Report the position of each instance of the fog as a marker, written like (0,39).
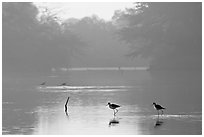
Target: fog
(151,52)
(32,45)
(161,35)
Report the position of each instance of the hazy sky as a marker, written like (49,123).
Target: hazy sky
(79,10)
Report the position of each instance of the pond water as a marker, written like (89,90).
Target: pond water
(28,108)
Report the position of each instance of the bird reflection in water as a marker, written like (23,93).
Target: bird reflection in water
(158,123)
(113,122)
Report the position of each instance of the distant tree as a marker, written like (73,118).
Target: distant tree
(102,47)
(169,34)
(31,45)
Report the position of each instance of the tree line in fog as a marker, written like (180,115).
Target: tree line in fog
(167,35)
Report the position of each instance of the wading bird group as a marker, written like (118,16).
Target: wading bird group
(115,106)
(111,105)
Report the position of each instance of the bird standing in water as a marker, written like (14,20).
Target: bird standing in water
(63,84)
(42,84)
(113,106)
(158,107)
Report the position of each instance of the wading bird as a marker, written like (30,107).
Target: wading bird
(158,107)
(63,84)
(43,83)
(113,106)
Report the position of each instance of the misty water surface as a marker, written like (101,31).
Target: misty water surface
(29,108)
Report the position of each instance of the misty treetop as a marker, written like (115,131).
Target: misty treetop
(166,35)
(33,45)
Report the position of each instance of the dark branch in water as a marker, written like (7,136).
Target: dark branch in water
(66,106)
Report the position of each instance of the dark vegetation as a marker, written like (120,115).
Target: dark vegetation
(168,35)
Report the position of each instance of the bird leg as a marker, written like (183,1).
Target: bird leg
(158,112)
(162,112)
(116,111)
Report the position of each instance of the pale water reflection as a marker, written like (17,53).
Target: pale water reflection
(30,109)
(85,120)
(98,120)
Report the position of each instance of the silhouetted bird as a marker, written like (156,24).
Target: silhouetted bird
(158,107)
(113,106)
(43,83)
(63,84)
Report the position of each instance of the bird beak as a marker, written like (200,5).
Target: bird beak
(106,104)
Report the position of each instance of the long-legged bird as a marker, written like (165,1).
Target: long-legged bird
(114,107)
(158,107)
